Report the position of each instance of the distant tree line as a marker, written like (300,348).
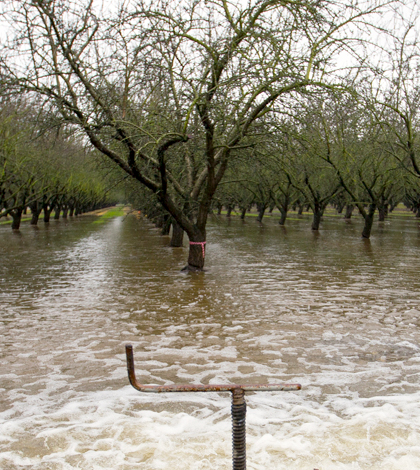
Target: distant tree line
(336,149)
(44,170)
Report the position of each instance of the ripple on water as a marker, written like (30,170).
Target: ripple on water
(335,314)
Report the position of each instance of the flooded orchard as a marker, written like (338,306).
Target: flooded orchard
(331,311)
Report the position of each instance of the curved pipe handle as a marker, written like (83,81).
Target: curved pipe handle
(198,387)
(130,366)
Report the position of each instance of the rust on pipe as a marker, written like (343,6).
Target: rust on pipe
(199,387)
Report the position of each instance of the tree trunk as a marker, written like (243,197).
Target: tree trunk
(261,209)
(283,215)
(340,207)
(16,216)
(196,253)
(177,235)
(47,213)
(349,211)
(228,210)
(300,211)
(317,217)
(382,212)
(36,209)
(243,212)
(57,212)
(71,210)
(65,211)
(369,221)
(35,217)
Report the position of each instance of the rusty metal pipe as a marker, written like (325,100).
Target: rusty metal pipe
(238,409)
(199,387)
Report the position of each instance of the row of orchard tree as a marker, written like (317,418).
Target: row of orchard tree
(193,99)
(42,169)
(340,150)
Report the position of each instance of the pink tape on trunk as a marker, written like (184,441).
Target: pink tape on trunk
(202,247)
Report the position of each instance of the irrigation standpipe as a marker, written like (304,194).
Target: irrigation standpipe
(238,409)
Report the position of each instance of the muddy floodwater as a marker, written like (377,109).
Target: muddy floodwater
(337,314)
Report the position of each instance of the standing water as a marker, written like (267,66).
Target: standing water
(333,312)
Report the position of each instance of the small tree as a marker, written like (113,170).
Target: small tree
(358,153)
(392,93)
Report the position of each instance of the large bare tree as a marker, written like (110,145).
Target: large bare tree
(170,91)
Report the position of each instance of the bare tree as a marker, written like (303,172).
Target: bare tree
(355,146)
(169,91)
(392,92)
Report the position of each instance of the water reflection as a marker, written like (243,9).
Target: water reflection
(337,313)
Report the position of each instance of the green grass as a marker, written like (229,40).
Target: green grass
(110,214)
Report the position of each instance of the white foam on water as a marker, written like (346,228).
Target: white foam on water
(121,428)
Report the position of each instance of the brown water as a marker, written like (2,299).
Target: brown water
(333,312)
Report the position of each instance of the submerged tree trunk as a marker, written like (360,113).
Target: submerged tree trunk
(349,211)
(283,215)
(65,211)
(340,207)
(382,212)
(243,212)
(283,205)
(317,217)
(368,221)
(16,216)
(36,209)
(228,210)
(35,217)
(197,252)
(283,208)
(47,213)
(261,210)
(177,235)
(57,212)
